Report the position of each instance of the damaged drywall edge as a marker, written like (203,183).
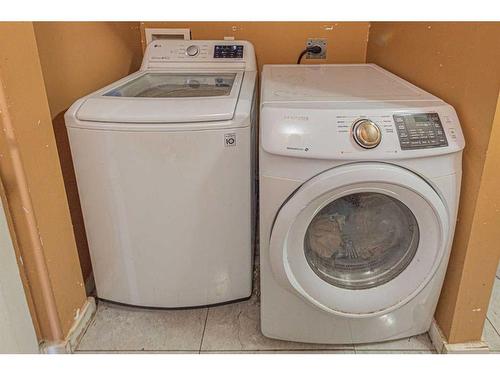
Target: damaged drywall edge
(81,323)
(83,318)
(443,347)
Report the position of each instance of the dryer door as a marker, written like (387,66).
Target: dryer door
(360,239)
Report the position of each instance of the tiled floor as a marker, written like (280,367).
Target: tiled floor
(491,333)
(231,328)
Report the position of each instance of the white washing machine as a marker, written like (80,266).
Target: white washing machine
(164,166)
(359,184)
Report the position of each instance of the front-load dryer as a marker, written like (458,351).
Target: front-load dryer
(359,184)
(164,164)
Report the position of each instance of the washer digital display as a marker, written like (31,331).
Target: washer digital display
(233,51)
(420,130)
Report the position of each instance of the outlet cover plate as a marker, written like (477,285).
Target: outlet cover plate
(166,33)
(322,42)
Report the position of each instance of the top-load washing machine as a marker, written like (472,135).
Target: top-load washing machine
(359,184)
(164,166)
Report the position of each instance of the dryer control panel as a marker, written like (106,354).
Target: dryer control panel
(420,130)
(370,133)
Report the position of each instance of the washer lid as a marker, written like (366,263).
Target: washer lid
(165,97)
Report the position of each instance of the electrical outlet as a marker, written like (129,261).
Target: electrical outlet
(322,42)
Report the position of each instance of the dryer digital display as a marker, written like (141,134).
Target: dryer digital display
(420,130)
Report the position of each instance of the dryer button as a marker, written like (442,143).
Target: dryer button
(366,133)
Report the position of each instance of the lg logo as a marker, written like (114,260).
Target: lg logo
(230,139)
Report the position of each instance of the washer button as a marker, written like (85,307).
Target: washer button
(192,50)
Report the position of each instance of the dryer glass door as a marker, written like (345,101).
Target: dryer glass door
(360,239)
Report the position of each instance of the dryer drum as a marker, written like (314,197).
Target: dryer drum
(361,240)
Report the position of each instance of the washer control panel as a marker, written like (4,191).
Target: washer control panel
(228,51)
(166,53)
(420,130)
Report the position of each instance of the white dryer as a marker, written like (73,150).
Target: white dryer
(359,184)
(164,166)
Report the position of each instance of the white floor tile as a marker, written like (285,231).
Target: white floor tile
(236,327)
(415,343)
(280,352)
(491,336)
(137,352)
(395,352)
(119,328)
(494,308)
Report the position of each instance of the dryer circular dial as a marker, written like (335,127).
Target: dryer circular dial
(366,133)
(192,50)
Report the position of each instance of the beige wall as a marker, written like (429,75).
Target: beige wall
(78,58)
(458,62)
(282,42)
(26,109)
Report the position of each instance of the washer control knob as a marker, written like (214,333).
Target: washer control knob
(192,50)
(366,133)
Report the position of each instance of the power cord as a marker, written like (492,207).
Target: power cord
(312,49)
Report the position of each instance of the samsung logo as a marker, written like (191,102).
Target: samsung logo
(296,118)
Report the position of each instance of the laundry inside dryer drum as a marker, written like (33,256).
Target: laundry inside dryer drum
(361,240)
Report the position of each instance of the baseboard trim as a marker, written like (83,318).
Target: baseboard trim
(82,321)
(443,347)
